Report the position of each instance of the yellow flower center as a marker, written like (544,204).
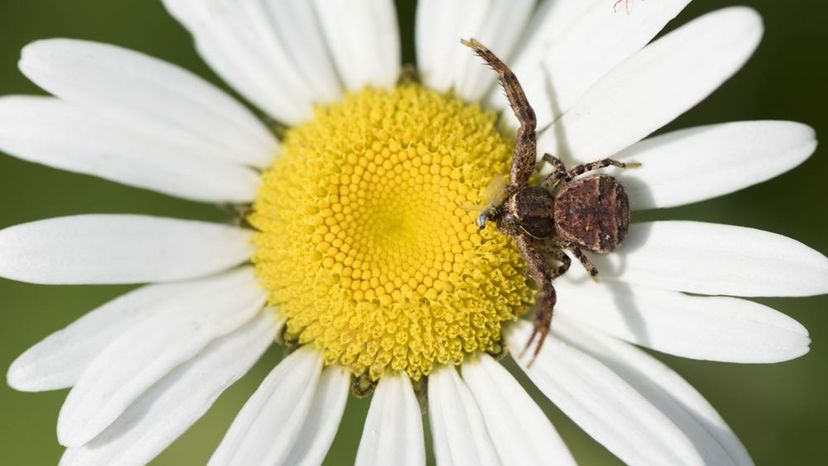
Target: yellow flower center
(366,242)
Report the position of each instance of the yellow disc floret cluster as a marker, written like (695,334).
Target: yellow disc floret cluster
(366,242)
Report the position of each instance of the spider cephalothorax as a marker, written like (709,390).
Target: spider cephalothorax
(562,212)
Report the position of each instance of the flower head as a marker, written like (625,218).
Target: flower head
(359,247)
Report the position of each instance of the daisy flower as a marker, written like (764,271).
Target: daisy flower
(355,248)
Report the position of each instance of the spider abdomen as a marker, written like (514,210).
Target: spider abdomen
(592,213)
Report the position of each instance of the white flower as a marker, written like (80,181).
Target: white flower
(147,365)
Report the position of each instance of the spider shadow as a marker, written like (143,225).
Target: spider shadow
(623,296)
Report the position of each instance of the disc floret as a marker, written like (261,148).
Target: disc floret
(365,240)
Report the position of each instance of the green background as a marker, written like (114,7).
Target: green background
(779,411)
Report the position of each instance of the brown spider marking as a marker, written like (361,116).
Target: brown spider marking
(562,212)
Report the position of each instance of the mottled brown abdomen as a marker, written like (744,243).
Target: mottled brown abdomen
(593,213)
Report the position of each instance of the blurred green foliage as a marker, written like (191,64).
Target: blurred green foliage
(779,411)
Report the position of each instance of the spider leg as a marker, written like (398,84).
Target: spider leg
(565,261)
(554,249)
(593,272)
(559,172)
(523,160)
(546,297)
(597,165)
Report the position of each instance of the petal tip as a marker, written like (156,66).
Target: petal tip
(16,375)
(33,51)
(747,14)
(70,433)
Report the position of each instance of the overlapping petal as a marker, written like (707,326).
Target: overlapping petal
(673,395)
(239,41)
(65,136)
(444,63)
(174,403)
(654,86)
(522,434)
(364,40)
(150,350)
(596,39)
(393,432)
(603,404)
(322,422)
(149,96)
(59,360)
(457,428)
(268,425)
(668,392)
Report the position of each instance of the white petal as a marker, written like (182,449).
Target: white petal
(709,258)
(59,360)
(521,432)
(65,136)
(270,422)
(656,85)
(393,432)
(603,404)
(177,401)
(150,350)
(147,94)
(599,39)
(457,428)
(107,249)
(297,25)
(245,43)
(711,328)
(322,422)
(671,394)
(701,163)
(446,64)
(364,40)
(551,23)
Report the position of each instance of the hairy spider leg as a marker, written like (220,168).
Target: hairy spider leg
(546,297)
(523,160)
(555,249)
(583,259)
(597,165)
(559,172)
(523,165)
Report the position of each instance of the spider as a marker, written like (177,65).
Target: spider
(562,212)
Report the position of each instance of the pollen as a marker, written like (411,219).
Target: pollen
(366,242)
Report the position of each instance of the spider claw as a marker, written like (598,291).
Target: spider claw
(528,343)
(541,332)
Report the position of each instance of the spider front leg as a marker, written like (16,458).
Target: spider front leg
(597,165)
(523,160)
(546,298)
